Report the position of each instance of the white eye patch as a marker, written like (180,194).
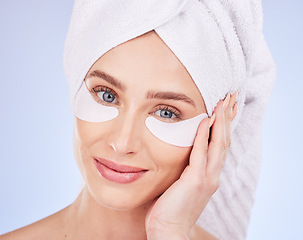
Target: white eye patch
(87,109)
(180,133)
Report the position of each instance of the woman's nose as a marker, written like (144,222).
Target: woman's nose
(126,135)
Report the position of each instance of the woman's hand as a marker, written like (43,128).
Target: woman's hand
(174,214)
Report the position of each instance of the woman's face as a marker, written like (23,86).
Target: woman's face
(141,67)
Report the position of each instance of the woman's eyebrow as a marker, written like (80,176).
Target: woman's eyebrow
(150,95)
(108,78)
(170,96)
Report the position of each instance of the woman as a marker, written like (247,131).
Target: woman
(114,205)
(142,181)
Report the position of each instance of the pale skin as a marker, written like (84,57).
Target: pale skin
(167,201)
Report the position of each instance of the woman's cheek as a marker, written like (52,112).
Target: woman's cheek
(85,135)
(172,160)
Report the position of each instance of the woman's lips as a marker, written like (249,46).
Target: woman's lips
(118,173)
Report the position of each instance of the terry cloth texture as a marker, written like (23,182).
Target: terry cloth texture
(221,44)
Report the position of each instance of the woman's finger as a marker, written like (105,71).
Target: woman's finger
(233,99)
(198,156)
(217,142)
(228,113)
(235,110)
(233,104)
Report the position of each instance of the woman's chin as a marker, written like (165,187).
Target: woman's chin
(122,201)
(124,205)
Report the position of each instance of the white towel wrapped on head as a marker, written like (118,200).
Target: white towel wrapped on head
(221,44)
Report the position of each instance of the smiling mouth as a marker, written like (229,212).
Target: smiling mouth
(118,173)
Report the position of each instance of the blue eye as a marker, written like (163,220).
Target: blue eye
(168,113)
(106,96)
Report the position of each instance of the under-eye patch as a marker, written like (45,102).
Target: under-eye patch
(180,133)
(87,109)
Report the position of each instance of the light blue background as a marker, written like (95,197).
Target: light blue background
(38,175)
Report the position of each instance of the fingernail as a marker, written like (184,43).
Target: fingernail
(232,99)
(212,119)
(226,101)
(236,109)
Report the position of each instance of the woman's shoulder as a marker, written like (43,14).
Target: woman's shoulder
(51,227)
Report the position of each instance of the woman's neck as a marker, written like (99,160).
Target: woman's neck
(90,220)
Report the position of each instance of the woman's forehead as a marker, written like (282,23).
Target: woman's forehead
(145,60)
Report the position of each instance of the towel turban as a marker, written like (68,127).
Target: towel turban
(221,44)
